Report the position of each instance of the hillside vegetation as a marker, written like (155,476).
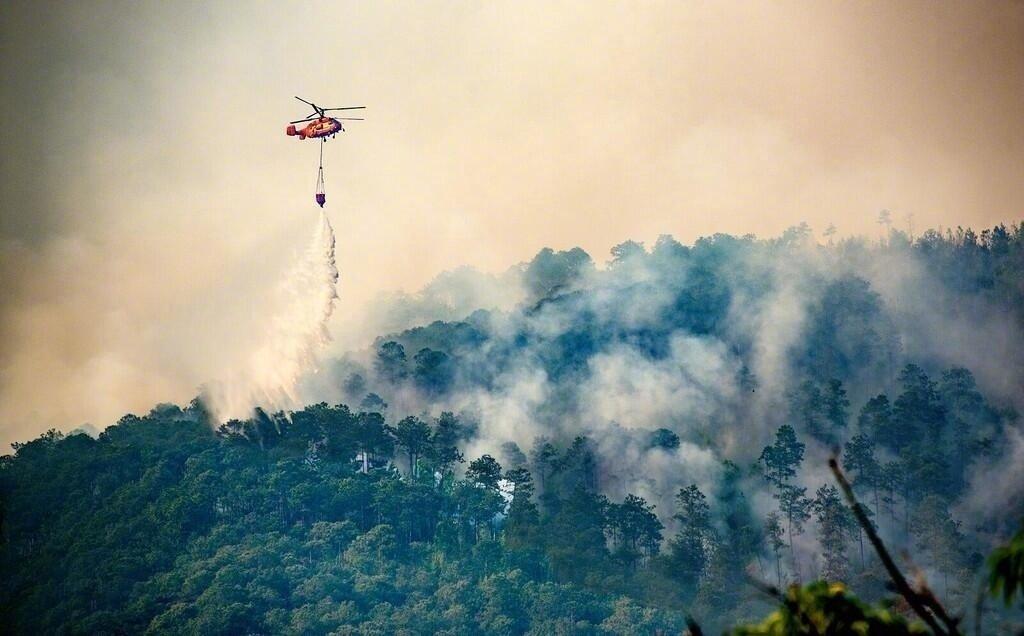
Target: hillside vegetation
(624,448)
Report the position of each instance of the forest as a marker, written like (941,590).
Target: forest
(640,447)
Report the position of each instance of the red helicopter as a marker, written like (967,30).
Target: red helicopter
(320,127)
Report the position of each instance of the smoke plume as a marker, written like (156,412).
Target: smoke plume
(709,343)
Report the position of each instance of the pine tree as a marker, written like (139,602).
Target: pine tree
(796,507)
(444,443)
(692,542)
(937,534)
(390,363)
(859,460)
(636,529)
(918,412)
(836,408)
(413,436)
(781,460)
(485,471)
(523,517)
(835,523)
(773,534)
(807,406)
(876,421)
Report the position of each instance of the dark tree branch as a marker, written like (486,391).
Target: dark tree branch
(902,586)
(927,595)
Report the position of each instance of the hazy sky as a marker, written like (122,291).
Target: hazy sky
(149,192)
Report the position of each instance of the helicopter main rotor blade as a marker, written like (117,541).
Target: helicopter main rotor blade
(299,121)
(345,108)
(304,101)
(350,118)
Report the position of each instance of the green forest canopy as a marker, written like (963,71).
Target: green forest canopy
(347,519)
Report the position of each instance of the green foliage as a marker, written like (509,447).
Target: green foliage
(391,362)
(635,530)
(781,460)
(334,520)
(434,371)
(485,471)
(551,272)
(523,515)
(269,526)
(695,539)
(836,526)
(412,436)
(828,608)
(1006,567)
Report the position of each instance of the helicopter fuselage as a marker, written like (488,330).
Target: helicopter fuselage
(316,129)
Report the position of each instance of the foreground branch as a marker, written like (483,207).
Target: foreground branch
(902,586)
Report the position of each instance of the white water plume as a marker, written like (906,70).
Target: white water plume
(291,335)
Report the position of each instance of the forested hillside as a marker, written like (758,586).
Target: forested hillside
(615,449)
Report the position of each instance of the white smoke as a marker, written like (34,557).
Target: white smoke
(692,385)
(291,334)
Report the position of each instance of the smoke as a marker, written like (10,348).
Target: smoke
(293,331)
(946,328)
(692,385)
(997,486)
(452,295)
(688,118)
(708,342)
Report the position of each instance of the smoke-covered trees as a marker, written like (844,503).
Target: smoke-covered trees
(543,456)
(550,272)
(433,372)
(835,406)
(821,410)
(851,337)
(694,542)
(479,498)
(412,436)
(775,537)
(781,460)
(970,421)
(390,363)
(485,471)
(523,515)
(635,530)
(876,420)
(444,443)
(807,407)
(780,463)
(918,409)
(370,519)
(859,459)
(269,525)
(938,536)
(835,526)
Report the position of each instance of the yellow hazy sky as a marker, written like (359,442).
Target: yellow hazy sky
(149,191)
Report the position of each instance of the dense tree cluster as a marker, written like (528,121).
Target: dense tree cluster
(306,524)
(276,525)
(361,519)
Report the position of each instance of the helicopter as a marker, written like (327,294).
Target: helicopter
(321,126)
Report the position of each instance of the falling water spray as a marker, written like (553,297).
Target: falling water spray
(293,331)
